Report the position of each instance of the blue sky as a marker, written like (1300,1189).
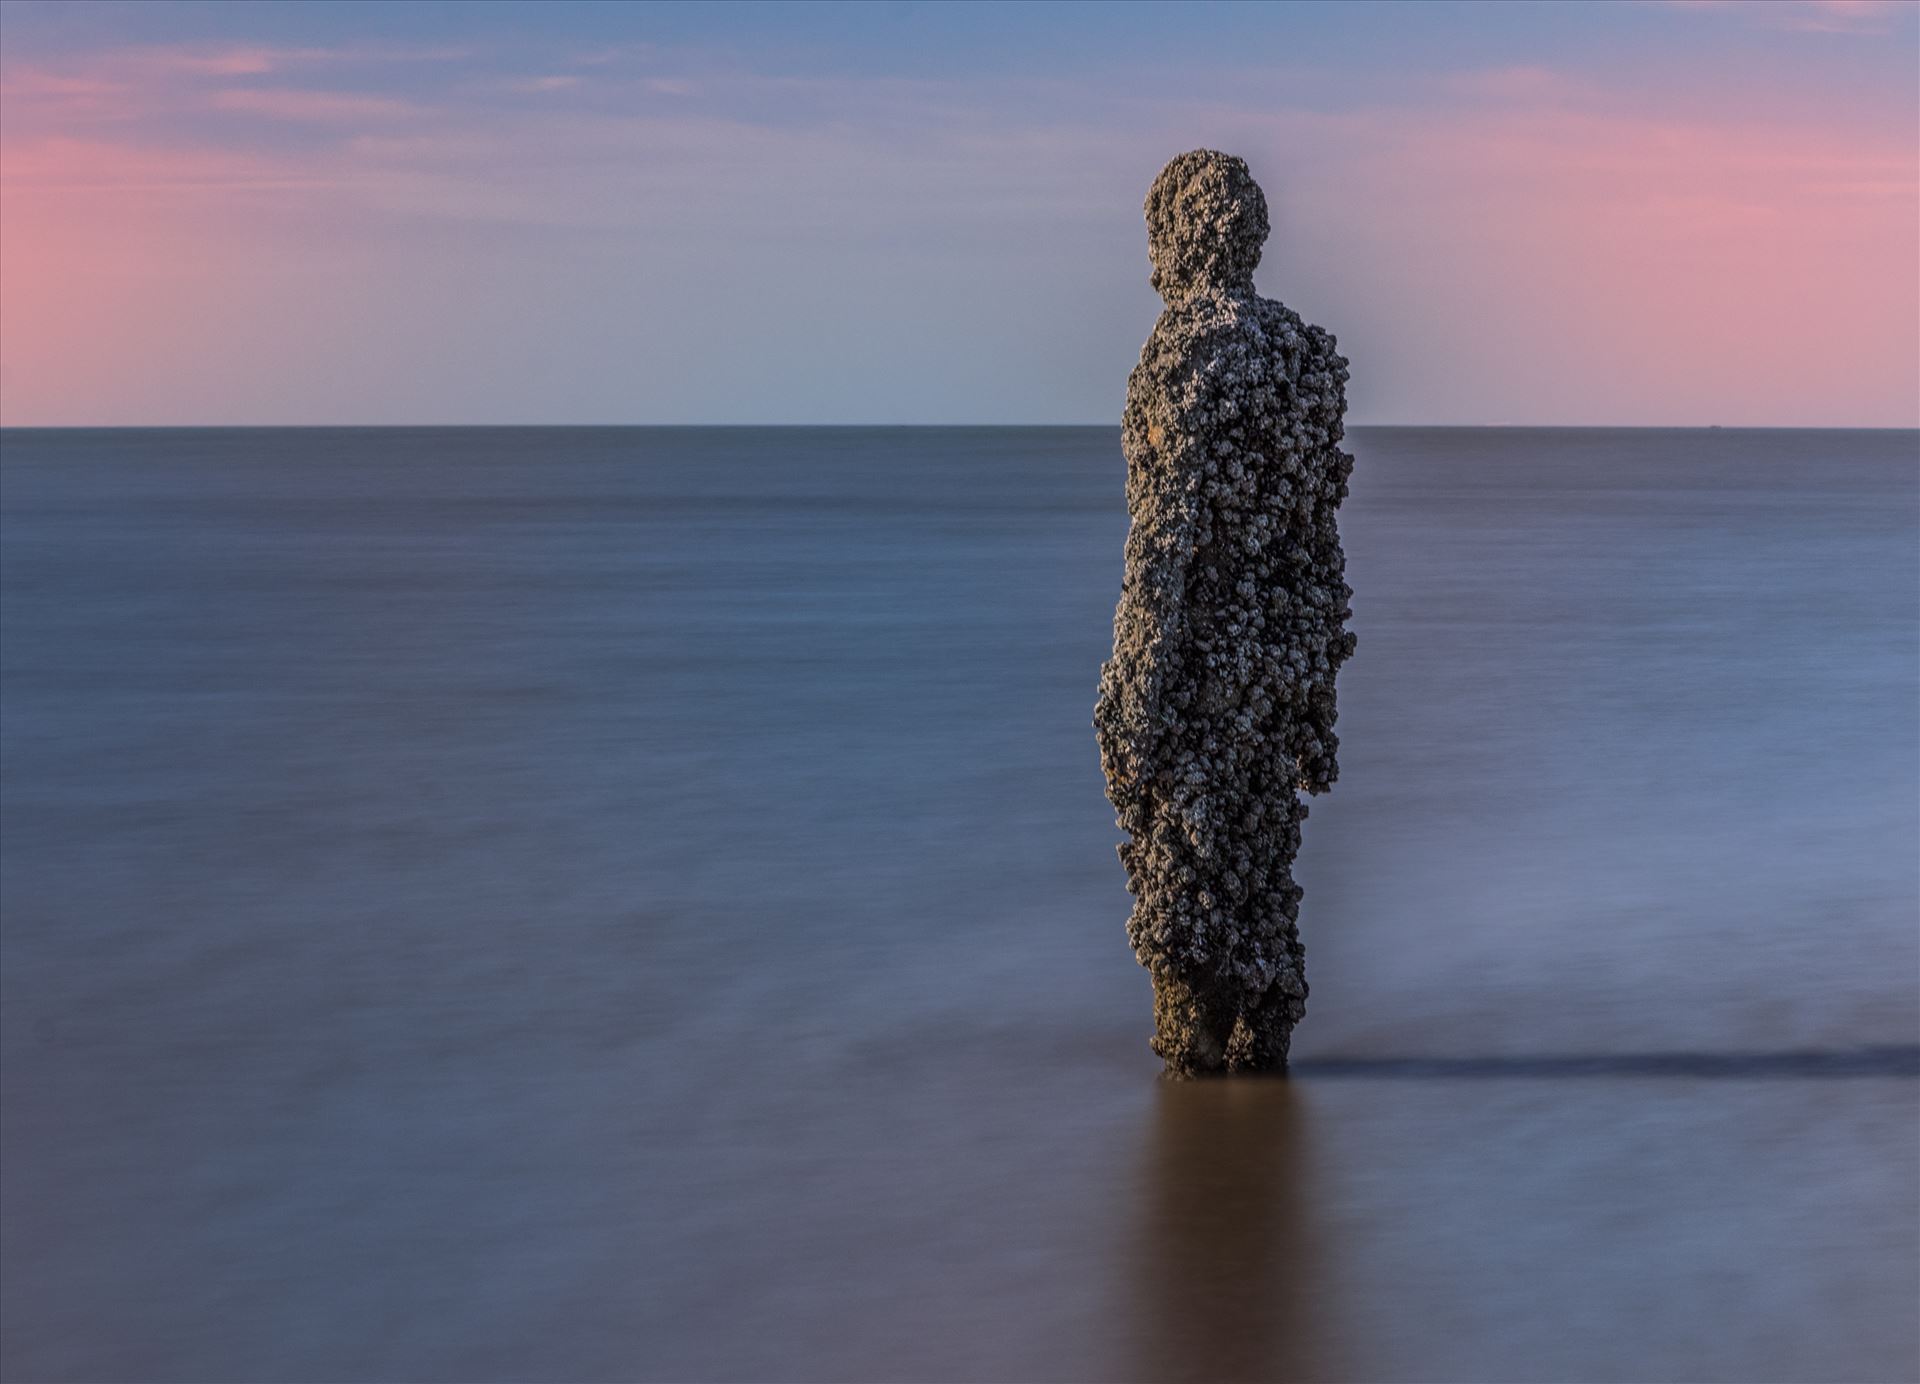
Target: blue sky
(1618,213)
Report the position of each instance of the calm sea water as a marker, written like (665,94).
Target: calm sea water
(639,904)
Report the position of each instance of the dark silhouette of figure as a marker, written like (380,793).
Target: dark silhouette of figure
(1217,707)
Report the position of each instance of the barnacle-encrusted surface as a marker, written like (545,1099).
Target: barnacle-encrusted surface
(1217,706)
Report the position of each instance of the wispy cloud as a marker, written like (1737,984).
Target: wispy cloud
(252,60)
(57,165)
(248,59)
(157,88)
(210,62)
(534,86)
(1806,16)
(615,54)
(316,107)
(32,81)
(1520,85)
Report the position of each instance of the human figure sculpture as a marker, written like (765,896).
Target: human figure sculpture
(1217,707)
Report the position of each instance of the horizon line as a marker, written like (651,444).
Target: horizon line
(1430,427)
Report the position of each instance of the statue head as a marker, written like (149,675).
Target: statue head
(1206,222)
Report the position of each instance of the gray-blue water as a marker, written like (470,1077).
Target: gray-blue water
(639,904)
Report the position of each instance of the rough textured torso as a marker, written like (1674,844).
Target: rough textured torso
(1218,702)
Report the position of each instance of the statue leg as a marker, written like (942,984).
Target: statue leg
(1209,1024)
(1211,1015)
(1263,1031)
(1193,1021)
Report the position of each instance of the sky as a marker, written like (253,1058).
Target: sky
(1599,214)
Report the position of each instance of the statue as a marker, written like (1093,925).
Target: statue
(1217,707)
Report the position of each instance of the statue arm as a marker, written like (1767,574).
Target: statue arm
(1323,399)
(1164,424)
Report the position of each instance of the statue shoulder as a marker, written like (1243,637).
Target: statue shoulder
(1200,335)
(1313,348)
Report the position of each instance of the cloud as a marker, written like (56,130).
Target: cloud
(166,88)
(614,54)
(1807,16)
(1839,17)
(162,72)
(533,86)
(254,60)
(92,166)
(1520,85)
(317,107)
(29,81)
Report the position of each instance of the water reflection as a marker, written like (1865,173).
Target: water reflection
(1224,1277)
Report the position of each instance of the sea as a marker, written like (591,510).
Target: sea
(590,904)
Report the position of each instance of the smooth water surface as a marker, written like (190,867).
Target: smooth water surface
(639,904)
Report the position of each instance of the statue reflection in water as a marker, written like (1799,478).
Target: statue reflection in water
(1224,1279)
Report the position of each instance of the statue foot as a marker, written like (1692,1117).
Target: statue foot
(1202,1026)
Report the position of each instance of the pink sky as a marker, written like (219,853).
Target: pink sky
(237,231)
